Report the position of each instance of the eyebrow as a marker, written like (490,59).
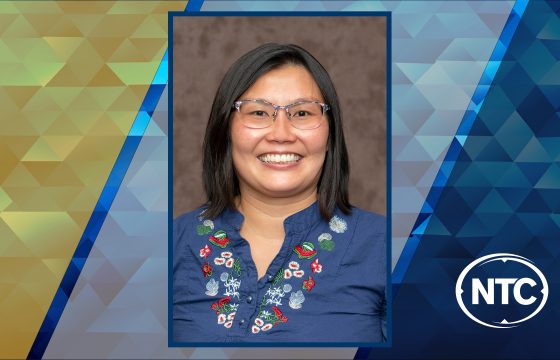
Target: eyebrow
(292,102)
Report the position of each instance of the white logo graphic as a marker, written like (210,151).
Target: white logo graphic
(489,296)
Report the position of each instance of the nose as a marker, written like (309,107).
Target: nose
(281,130)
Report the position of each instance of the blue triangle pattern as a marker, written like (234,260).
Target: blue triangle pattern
(502,195)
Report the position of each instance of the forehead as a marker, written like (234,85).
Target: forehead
(286,83)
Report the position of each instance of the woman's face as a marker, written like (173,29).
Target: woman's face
(257,153)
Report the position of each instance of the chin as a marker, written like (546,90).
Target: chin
(284,191)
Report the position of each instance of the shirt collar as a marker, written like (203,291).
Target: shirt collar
(300,221)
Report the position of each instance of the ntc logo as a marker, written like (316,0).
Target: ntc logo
(501,290)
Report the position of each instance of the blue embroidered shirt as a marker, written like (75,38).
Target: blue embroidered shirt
(327,282)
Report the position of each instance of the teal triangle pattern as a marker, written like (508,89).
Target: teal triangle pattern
(502,195)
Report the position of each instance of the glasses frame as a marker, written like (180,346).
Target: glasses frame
(325,107)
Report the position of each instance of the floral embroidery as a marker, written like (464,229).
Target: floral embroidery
(296,299)
(219,239)
(237,267)
(293,270)
(231,284)
(279,291)
(205,251)
(227,260)
(338,225)
(212,287)
(223,307)
(226,320)
(309,283)
(206,227)
(287,274)
(326,242)
(316,267)
(279,317)
(207,269)
(267,320)
(274,296)
(260,325)
(305,250)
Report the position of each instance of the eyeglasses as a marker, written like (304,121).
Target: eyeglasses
(260,114)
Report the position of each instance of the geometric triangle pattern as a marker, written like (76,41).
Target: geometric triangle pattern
(72,78)
(499,192)
(118,307)
(440,50)
(65,111)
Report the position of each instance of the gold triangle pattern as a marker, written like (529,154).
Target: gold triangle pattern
(72,78)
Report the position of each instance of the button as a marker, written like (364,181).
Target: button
(249,299)
(241,322)
(270,277)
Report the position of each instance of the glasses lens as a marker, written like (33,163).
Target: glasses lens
(306,115)
(256,114)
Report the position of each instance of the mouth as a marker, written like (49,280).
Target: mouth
(288,158)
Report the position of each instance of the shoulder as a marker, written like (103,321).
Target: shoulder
(359,220)
(369,221)
(185,226)
(187,221)
(368,240)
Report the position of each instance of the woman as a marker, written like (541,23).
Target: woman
(277,253)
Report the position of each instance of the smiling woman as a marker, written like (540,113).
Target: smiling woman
(277,253)
(280,159)
(278,163)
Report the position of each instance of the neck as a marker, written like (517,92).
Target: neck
(268,215)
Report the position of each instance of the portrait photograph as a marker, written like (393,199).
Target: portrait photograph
(235,179)
(280,196)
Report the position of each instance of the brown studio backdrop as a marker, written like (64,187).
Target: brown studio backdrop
(353,51)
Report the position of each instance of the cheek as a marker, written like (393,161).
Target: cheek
(242,142)
(318,142)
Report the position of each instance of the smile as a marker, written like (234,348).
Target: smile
(279,158)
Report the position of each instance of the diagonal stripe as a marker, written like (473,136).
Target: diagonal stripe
(470,115)
(194,5)
(100,211)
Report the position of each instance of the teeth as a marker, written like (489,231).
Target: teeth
(279,158)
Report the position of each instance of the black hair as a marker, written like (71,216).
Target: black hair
(220,181)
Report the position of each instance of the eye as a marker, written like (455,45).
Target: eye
(255,110)
(301,113)
(305,110)
(259,113)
